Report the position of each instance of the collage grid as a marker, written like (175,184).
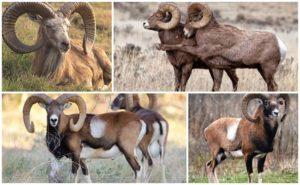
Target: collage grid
(124,68)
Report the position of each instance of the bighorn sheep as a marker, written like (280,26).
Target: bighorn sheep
(93,136)
(166,21)
(240,48)
(57,57)
(247,137)
(155,140)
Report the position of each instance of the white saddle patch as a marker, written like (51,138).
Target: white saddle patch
(232,129)
(282,49)
(97,127)
(91,153)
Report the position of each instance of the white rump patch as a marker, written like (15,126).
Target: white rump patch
(232,129)
(91,153)
(97,127)
(143,131)
(282,49)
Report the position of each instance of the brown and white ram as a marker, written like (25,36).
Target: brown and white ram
(155,140)
(240,48)
(93,136)
(248,137)
(166,21)
(57,57)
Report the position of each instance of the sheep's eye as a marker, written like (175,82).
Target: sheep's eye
(281,102)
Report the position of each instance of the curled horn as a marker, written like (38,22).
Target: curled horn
(152,101)
(81,106)
(128,101)
(245,104)
(174,11)
(197,8)
(286,98)
(10,17)
(38,98)
(86,12)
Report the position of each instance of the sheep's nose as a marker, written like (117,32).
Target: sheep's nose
(145,24)
(276,112)
(65,45)
(53,120)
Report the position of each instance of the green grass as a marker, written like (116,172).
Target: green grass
(234,171)
(16,70)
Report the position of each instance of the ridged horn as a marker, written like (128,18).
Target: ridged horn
(174,11)
(86,12)
(10,17)
(207,14)
(245,103)
(152,101)
(286,98)
(81,106)
(38,98)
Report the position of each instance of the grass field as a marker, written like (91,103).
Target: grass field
(239,174)
(25,156)
(16,68)
(139,66)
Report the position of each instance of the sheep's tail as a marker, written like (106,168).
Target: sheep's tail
(282,49)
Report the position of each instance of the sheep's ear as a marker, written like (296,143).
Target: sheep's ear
(42,105)
(35,18)
(67,105)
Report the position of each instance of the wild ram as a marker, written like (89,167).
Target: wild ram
(155,140)
(240,48)
(249,137)
(93,136)
(166,21)
(57,57)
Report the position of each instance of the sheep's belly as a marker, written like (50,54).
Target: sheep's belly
(154,149)
(90,153)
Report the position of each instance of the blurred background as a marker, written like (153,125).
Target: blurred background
(16,68)
(151,71)
(281,165)
(25,156)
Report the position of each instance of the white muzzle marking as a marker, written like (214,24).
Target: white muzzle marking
(275,112)
(53,120)
(146,24)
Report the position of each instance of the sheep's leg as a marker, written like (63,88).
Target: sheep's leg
(85,171)
(75,168)
(178,74)
(217,75)
(260,167)
(186,73)
(248,161)
(233,77)
(267,72)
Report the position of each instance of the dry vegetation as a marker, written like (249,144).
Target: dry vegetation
(25,156)
(17,75)
(281,165)
(139,66)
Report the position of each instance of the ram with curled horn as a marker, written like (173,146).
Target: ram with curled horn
(57,57)
(166,21)
(87,136)
(238,48)
(155,140)
(248,137)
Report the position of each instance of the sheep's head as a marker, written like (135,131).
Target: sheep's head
(273,106)
(53,24)
(54,110)
(199,15)
(128,101)
(165,18)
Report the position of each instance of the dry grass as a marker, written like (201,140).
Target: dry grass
(25,155)
(148,69)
